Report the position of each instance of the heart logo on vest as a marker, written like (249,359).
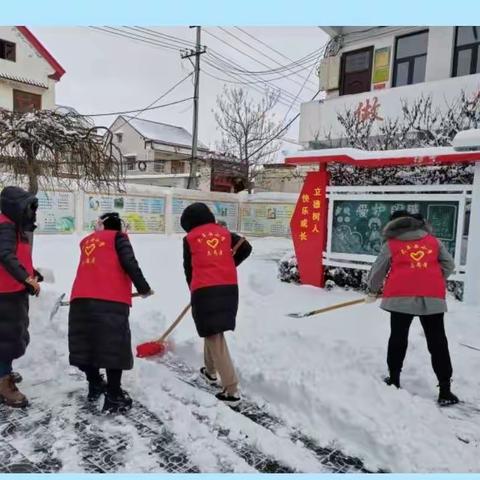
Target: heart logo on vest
(213,243)
(89,249)
(417,256)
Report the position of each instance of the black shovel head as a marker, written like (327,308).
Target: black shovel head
(57,305)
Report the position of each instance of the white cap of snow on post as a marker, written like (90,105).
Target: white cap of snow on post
(467,140)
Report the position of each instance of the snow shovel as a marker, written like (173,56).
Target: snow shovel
(160,346)
(326,309)
(60,302)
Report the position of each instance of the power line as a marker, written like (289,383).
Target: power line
(137,110)
(261,53)
(120,33)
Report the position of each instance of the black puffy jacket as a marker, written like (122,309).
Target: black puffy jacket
(214,309)
(20,207)
(99,330)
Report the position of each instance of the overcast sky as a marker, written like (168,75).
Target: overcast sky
(108,73)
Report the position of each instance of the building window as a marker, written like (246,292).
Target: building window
(177,166)
(24,102)
(130,161)
(356,74)
(7,50)
(466,59)
(410,59)
(158,166)
(119,137)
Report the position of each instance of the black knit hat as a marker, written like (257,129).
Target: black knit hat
(111,221)
(195,215)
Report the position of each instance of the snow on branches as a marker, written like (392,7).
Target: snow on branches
(52,148)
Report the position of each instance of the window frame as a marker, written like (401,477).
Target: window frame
(474,63)
(11,44)
(17,98)
(158,166)
(343,62)
(130,158)
(410,60)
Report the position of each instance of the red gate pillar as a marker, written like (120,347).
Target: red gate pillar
(309,228)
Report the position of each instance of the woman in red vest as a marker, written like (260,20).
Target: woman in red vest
(18,279)
(99,330)
(211,273)
(412,270)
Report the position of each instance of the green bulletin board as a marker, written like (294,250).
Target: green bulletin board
(357,225)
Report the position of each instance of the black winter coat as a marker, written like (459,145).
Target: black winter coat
(99,330)
(19,206)
(214,309)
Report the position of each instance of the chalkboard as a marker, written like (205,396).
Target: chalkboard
(357,225)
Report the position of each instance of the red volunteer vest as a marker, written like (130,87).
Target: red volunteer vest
(212,259)
(24,254)
(415,269)
(100,275)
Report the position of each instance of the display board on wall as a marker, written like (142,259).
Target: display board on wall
(357,225)
(56,212)
(143,214)
(266,219)
(224,211)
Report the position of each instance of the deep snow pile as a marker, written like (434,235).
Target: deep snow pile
(322,374)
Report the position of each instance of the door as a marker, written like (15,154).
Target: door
(356,71)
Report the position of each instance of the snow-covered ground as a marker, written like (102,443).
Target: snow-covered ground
(322,374)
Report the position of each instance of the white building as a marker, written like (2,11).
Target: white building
(158,153)
(371,70)
(28,72)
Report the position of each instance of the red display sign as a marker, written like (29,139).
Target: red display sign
(309,228)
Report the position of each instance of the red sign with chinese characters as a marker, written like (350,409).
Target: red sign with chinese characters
(309,228)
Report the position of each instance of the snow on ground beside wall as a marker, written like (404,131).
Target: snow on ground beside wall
(322,374)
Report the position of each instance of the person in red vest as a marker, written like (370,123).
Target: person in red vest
(211,273)
(18,279)
(412,270)
(98,324)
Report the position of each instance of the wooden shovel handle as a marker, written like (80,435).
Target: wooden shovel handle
(173,325)
(187,308)
(337,306)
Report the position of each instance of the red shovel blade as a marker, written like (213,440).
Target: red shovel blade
(150,349)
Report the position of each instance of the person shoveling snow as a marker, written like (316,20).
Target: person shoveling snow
(211,254)
(99,331)
(412,269)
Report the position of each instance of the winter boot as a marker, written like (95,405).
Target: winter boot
(17,378)
(9,393)
(445,396)
(393,379)
(230,400)
(118,403)
(96,389)
(210,379)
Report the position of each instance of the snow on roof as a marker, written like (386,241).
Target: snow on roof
(382,158)
(162,132)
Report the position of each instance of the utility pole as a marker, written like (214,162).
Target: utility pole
(199,50)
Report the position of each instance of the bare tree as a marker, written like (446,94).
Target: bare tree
(249,129)
(52,149)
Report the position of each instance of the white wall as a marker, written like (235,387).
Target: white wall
(30,65)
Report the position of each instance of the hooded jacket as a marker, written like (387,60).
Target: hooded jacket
(16,221)
(214,290)
(408,229)
(18,209)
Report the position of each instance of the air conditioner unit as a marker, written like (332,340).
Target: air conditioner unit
(329,73)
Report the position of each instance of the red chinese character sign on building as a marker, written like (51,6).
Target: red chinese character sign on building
(309,228)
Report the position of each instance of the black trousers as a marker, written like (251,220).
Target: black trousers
(114,378)
(437,343)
